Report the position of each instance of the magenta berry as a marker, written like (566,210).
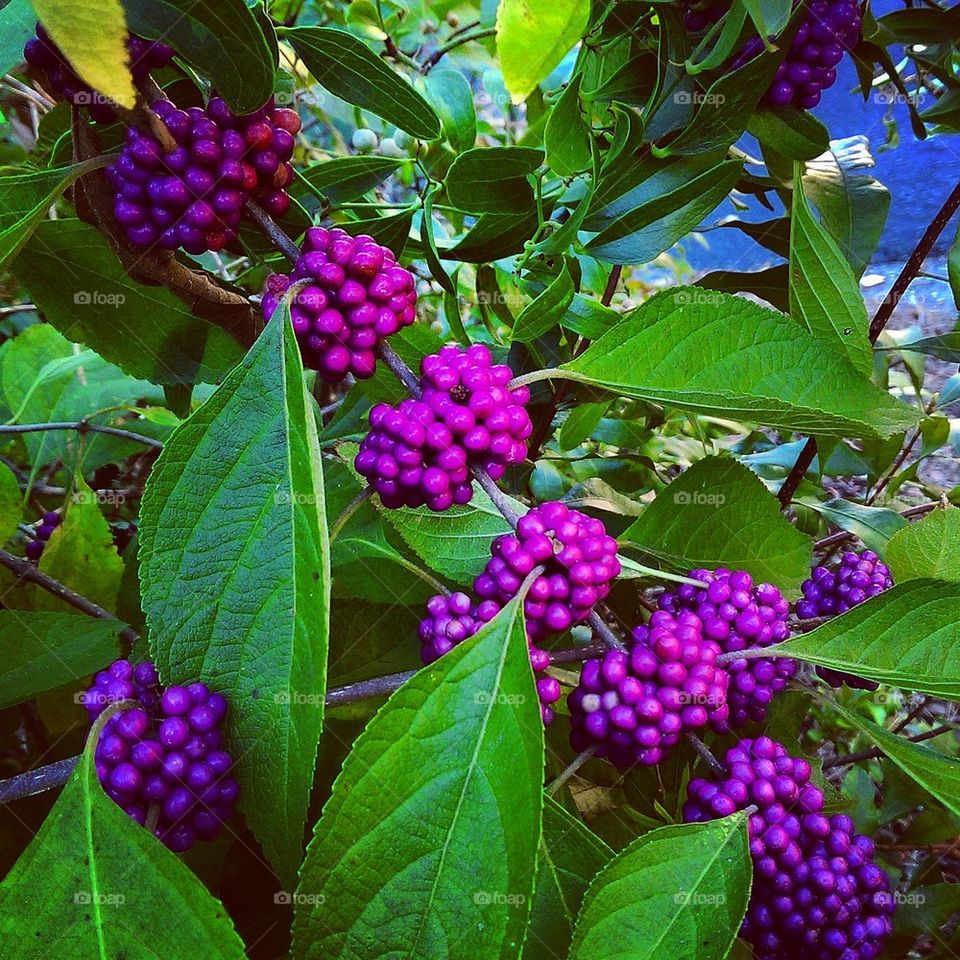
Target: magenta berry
(816,891)
(580,562)
(830,592)
(421,451)
(358,296)
(192,196)
(163,756)
(43,54)
(740,615)
(42,532)
(634,705)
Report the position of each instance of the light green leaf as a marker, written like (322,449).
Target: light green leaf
(234,568)
(873,525)
(452,97)
(794,133)
(570,856)
(908,636)
(719,514)
(566,136)
(11,503)
(928,548)
(458,751)
(533,36)
(85,292)
(95,885)
(824,294)
(580,424)
(769,16)
(546,310)
(92,35)
(18,27)
(677,892)
(81,554)
(706,351)
(349,69)
(43,651)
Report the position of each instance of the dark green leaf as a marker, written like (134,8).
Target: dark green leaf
(234,569)
(467,769)
(944,347)
(769,16)
(793,133)
(546,310)
(493,179)
(222,39)
(580,424)
(349,69)
(566,136)
(450,93)
(346,178)
(19,22)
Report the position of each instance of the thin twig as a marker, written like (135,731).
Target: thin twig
(349,510)
(842,536)
(874,752)
(270,229)
(571,768)
(27,571)
(452,44)
(705,754)
(81,426)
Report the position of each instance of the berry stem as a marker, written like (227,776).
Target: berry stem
(270,230)
(399,369)
(349,510)
(571,769)
(751,653)
(81,426)
(27,571)
(604,632)
(705,754)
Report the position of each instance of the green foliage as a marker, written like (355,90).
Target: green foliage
(930,548)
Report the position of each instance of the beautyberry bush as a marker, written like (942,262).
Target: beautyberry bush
(478,479)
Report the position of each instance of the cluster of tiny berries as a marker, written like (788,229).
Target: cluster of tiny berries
(41,52)
(453,618)
(422,451)
(356,297)
(192,194)
(635,705)
(163,761)
(817,894)
(41,533)
(828,593)
(739,615)
(829,29)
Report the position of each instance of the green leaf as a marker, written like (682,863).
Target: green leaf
(546,310)
(43,651)
(493,179)
(450,94)
(85,292)
(718,513)
(673,199)
(937,773)
(677,892)
(873,525)
(92,36)
(824,294)
(570,856)
(793,133)
(458,751)
(81,554)
(533,36)
(26,198)
(566,136)
(455,543)
(928,548)
(223,39)
(714,352)
(19,22)
(908,636)
(944,347)
(11,503)
(769,16)
(110,889)
(345,178)
(234,568)
(853,205)
(349,69)
(580,424)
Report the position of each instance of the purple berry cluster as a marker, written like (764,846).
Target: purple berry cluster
(452,619)
(163,761)
(739,615)
(421,451)
(192,195)
(634,705)
(357,297)
(827,593)
(817,894)
(580,562)
(41,52)
(42,532)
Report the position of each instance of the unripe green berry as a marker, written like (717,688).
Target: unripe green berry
(390,148)
(364,140)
